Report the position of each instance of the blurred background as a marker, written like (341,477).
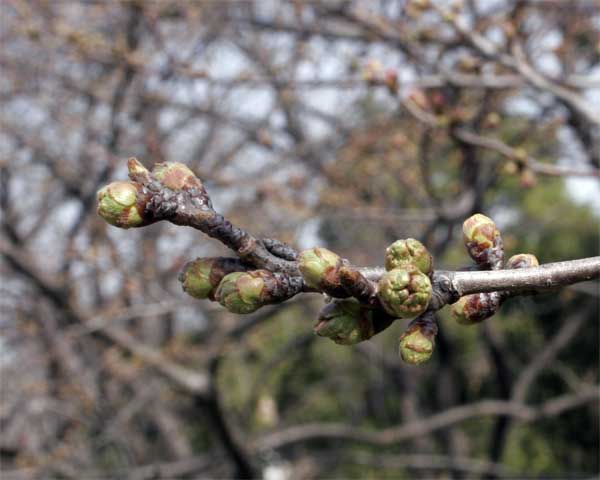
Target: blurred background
(346,124)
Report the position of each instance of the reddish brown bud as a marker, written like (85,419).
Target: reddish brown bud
(522,260)
(176,176)
(483,241)
(475,308)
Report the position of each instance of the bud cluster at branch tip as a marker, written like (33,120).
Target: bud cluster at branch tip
(418,341)
(483,241)
(118,205)
(319,267)
(243,292)
(408,251)
(405,292)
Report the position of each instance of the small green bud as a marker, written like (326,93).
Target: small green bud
(403,252)
(201,277)
(475,308)
(117,204)
(196,278)
(405,292)
(175,176)
(346,322)
(242,292)
(483,241)
(318,266)
(417,344)
(522,260)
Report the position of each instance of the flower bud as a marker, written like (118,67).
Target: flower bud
(404,292)
(175,176)
(418,341)
(522,260)
(346,322)
(319,266)
(195,278)
(135,168)
(475,308)
(118,204)
(483,240)
(201,277)
(404,252)
(243,292)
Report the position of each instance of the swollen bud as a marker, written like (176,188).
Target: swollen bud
(118,204)
(319,267)
(522,260)
(201,277)
(483,241)
(176,176)
(346,322)
(475,308)
(404,252)
(243,292)
(418,341)
(404,292)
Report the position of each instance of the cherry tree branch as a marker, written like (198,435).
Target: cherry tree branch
(189,205)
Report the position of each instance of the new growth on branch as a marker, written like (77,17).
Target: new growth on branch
(360,302)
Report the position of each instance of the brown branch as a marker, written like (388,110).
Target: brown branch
(520,156)
(390,436)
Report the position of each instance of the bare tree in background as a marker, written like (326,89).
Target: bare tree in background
(342,124)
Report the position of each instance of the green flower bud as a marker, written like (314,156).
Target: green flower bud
(242,292)
(522,260)
(404,292)
(417,343)
(175,176)
(475,308)
(403,252)
(319,266)
(117,204)
(346,322)
(196,278)
(483,241)
(201,277)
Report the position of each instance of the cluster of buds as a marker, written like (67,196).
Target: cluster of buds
(270,272)
(484,244)
(123,204)
(405,289)
(227,281)
(348,322)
